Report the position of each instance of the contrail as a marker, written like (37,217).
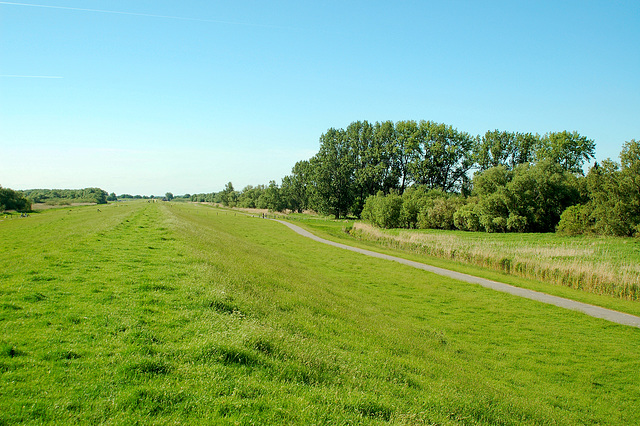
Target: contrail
(147,15)
(30,76)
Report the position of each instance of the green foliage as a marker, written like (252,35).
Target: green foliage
(530,198)
(210,197)
(508,149)
(383,211)
(13,200)
(438,210)
(613,192)
(414,199)
(249,197)
(229,196)
(297,188)
(441,156)
(576,220)
(333,174)
(363,159)
(568,149)
(467,217)
(62,196)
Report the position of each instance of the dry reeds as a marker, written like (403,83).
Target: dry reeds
(573,263)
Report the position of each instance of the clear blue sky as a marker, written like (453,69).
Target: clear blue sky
(153,96)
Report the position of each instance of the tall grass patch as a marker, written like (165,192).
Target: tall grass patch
(602,265)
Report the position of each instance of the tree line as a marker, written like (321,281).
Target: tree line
(60,196)
(432,175)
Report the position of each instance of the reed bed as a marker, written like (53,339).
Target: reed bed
(597,265)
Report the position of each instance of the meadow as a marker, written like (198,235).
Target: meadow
(160,313)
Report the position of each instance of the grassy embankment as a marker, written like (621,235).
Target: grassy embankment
(154,313)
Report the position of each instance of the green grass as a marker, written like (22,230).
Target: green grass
(159,313)
(614,250)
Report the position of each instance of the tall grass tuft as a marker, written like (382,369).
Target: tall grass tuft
(579,263)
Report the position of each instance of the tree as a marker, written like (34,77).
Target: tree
(614,197)
(273,199)
(229,197)
(333,168)
(168,196)
(13,200)
(630,161)
(501,148)
(406,138)
(391,170)
(297,188)
(442,157)
(569,150)
(528,198)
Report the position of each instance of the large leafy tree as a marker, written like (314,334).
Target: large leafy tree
(442,158)
(297,188)
(502,148)
(568,149)
(333,168)
(229,196)
(373,153)
(406,140)
(391,166)
(630,160)
(614,198)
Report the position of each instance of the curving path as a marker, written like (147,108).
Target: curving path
(594,311)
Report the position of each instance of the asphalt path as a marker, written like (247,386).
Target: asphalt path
(594,311)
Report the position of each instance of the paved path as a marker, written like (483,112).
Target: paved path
(594,311)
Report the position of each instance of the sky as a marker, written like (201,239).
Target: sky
(151,96)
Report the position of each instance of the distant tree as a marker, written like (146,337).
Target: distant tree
(13,200)
(229,196)
(333,168)
(568,149)
(442,157)
(501,148)
(407,139)
(112,197)
(613,207)
(297,188)
(169,196)
(272,198)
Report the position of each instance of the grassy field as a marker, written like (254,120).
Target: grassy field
(159,313)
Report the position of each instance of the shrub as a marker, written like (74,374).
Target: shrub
(467,218)
(516,223)
(576,220)
(439,212)
(383,211)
